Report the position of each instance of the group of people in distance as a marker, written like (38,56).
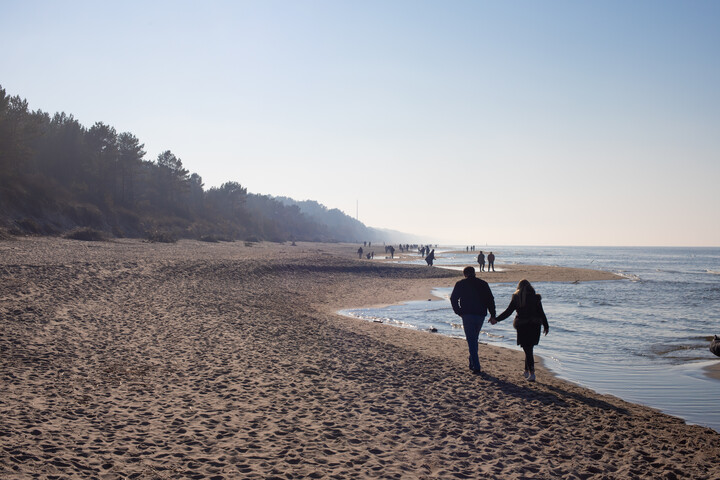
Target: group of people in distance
(490,259)
(425,251)
(472,299)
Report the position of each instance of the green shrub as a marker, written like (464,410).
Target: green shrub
(28,225)
(86,234)
(161,237)
(128,220)
(85,214)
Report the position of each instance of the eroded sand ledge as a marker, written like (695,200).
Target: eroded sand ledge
(199,360)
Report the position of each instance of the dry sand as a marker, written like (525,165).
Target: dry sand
(197,360)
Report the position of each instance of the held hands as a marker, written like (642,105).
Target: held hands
(493,321)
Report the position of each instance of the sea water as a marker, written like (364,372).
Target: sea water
(644,338)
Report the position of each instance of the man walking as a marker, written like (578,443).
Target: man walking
(472,299)
(481,261)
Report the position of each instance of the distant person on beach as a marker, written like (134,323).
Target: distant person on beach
(430,258)
(471,299)
(529,318)
(481,261)
(359,252)
(491,261)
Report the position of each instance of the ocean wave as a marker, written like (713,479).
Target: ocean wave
(400,323)
(713,272)
(704,338)
(666,349)
(630,276)
(441,309)
(491,335)
(389,321)
(664,270)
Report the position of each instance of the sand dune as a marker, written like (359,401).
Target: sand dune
(196,360)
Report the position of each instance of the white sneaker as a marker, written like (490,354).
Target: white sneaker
(531,378)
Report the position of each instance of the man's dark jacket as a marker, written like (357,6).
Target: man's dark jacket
(472,296)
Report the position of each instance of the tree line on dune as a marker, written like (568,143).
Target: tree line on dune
(57,176)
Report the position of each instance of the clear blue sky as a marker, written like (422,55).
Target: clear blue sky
(499,122)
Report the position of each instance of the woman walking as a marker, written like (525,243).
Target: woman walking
(529,318)
(430,258)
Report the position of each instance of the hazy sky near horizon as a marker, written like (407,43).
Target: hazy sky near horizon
(468,122)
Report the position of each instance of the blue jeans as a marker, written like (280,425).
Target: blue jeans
(472,325)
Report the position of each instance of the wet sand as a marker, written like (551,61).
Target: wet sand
(196,360)
(713,371)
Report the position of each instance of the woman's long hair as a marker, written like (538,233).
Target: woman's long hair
(524,291)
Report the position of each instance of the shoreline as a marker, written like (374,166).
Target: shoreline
(225,360)
(712,371)
(558,274)
(421,289)
(507,273)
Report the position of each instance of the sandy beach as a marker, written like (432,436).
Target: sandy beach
(139,360)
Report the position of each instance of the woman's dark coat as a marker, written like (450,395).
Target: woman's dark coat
(528,334)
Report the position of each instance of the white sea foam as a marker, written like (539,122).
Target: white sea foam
(629,276)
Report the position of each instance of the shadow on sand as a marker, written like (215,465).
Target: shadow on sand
(549,394)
